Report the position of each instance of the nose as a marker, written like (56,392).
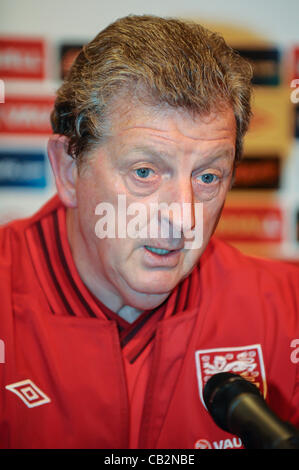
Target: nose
(178,210)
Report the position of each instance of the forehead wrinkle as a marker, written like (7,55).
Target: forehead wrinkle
(160,136)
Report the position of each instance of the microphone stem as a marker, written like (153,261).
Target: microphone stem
(260,428)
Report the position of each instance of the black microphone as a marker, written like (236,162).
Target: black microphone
(237,406)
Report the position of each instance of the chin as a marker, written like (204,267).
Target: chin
(142,301)
(147,293)
(158,282)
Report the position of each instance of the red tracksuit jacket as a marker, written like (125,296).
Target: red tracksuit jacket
(65,381)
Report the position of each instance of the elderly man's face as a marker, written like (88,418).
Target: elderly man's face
(152,157)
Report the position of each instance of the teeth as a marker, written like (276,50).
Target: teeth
(158,251)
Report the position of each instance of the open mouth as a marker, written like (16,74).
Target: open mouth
(159,251)
(161,257)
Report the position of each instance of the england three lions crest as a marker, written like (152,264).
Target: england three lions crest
(246,361)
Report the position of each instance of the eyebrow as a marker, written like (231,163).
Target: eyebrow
(221,153)
(216,154)
(151,152)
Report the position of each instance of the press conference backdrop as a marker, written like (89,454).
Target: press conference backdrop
(40,40)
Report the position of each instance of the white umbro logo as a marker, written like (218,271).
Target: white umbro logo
(29,393)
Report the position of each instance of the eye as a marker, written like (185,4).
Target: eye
(206,185)
(208,178)
(142,180)
(144,172)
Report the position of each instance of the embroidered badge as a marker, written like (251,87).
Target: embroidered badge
(244,360)
(29,393)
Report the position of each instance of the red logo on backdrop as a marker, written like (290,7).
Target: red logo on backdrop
(246,361)
(295,71)
(251,224)
(26,115)
(22,58)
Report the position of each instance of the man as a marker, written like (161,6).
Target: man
(111,329)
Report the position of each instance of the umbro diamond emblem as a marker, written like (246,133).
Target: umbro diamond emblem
(29,393)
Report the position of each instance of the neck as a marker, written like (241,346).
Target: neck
(130,314)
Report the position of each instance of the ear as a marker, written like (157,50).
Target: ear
(64,168)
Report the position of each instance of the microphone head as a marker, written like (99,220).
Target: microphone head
(220,391)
